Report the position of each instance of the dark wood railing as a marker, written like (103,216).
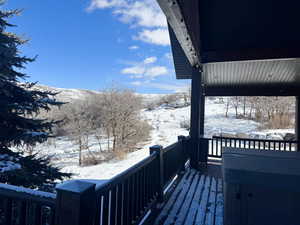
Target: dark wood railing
(20,206)
(125,199)
(217,142)
(174,159)
(128,198)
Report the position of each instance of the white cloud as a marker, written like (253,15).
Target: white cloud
(157,36)
(136,83)
(133,47)
(101,4)
(144,13)
(156,71)
(138,76)
(150,60)
(169,56)
(145,69)
(137,13)
(138,72)
(134,70)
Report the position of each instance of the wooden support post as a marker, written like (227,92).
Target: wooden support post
(197,116)
(159,150)
(183,146)
(75,203)
(297,121)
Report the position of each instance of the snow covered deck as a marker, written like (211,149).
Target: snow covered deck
(197,199)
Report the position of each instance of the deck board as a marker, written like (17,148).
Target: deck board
(197,200)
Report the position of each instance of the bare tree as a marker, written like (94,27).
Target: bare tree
(236,101)
(121,109)
(77,124)
(227,105)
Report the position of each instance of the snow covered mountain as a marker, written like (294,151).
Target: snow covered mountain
(69,95)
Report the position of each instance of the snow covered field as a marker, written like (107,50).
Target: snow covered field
(166,128)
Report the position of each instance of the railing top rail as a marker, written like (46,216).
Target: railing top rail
(170,147)
(122,176)
(25,194)
(254,139)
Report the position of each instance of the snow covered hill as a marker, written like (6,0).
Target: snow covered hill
(69,95)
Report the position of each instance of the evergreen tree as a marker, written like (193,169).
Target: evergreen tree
(20,103)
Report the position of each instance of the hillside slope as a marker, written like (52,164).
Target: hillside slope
(166,128)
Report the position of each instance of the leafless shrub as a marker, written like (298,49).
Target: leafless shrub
(272,112)
(94,158)
(169,100)
(185,124)
(152,105)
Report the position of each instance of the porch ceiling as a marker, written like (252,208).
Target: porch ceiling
(239,44)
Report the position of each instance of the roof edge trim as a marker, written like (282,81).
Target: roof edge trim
(176,20)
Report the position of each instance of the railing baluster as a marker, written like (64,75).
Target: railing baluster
(127,203)
(99,208)
(106,208)
(7,211)
(279,143)
(120,206)
(140,195)
(113,205)
(37,215)
(284,146)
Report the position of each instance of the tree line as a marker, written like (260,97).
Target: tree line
(272,112)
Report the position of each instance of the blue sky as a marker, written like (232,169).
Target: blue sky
(92,44)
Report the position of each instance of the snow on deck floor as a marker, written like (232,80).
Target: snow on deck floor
(197,199)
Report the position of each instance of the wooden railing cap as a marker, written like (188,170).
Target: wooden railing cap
(75,186)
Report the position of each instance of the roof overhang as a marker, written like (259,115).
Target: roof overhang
(249,44)
(179,26)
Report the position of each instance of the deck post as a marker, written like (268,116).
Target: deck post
(297,121)
(160,154)
(197,116)
(182,142)
(75,203)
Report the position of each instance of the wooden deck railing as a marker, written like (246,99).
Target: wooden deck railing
(125,199)
(217,142)
(128,196)
(20,206)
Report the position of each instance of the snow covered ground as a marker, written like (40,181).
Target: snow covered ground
(166,128)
